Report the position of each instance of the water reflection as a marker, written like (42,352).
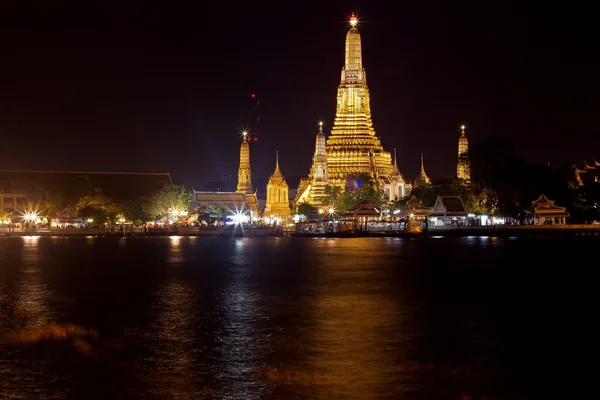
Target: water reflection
(32,302)
(362,331)
(170,371)
(240,342)
(175,250)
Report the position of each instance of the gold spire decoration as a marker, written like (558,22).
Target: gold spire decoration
(353,146)
(463,166)
(395,171)
(277,172)
(244,172)
(422,175)
(277,204)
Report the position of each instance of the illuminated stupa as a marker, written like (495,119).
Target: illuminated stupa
(244,172)
(352,147)
(463,166)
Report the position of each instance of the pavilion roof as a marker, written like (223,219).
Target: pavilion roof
(230,202)
(448,206)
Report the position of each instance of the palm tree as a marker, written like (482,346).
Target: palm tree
(219,212)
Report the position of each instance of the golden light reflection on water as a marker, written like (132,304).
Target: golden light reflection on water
(170,370)
(176,251)
(357,348)
(32,303)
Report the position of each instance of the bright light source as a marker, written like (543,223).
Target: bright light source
(244,133)
(331,210)
(320,211)
(353,20)
(30,216)
(240,218)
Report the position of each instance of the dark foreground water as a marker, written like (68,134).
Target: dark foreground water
(290,318)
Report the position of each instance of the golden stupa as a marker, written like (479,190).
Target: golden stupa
(353,146)
(463,166)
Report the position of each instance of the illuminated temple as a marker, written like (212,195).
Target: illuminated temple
(244,172)
(277,204)
(352,147)
(463,166)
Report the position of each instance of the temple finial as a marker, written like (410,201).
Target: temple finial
(395,162)
(276,159)
(422,166)
(462,129)
(321,126)
(353,20)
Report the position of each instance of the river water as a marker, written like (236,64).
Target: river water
(288,318)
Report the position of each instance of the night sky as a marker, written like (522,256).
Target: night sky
(142,86)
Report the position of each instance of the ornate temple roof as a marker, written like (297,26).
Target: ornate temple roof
(542,200)
(545,207)
(277,178)
(396,174)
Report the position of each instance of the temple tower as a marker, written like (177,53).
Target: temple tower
(353,146)
(463,166)
(422,178)
(318,172)
(244,173)
(277,204)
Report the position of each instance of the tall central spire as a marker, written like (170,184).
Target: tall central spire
(353,147)
(353,61)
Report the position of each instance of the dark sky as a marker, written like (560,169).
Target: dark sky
(164,86)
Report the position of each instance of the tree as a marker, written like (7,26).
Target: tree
(480,200)
(166,200)
(134,210)
(495,165)
(95,200)
(306,209)
(54,203)
(95,205)
(220,212)
(333,195)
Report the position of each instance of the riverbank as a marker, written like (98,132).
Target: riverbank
(496,230)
